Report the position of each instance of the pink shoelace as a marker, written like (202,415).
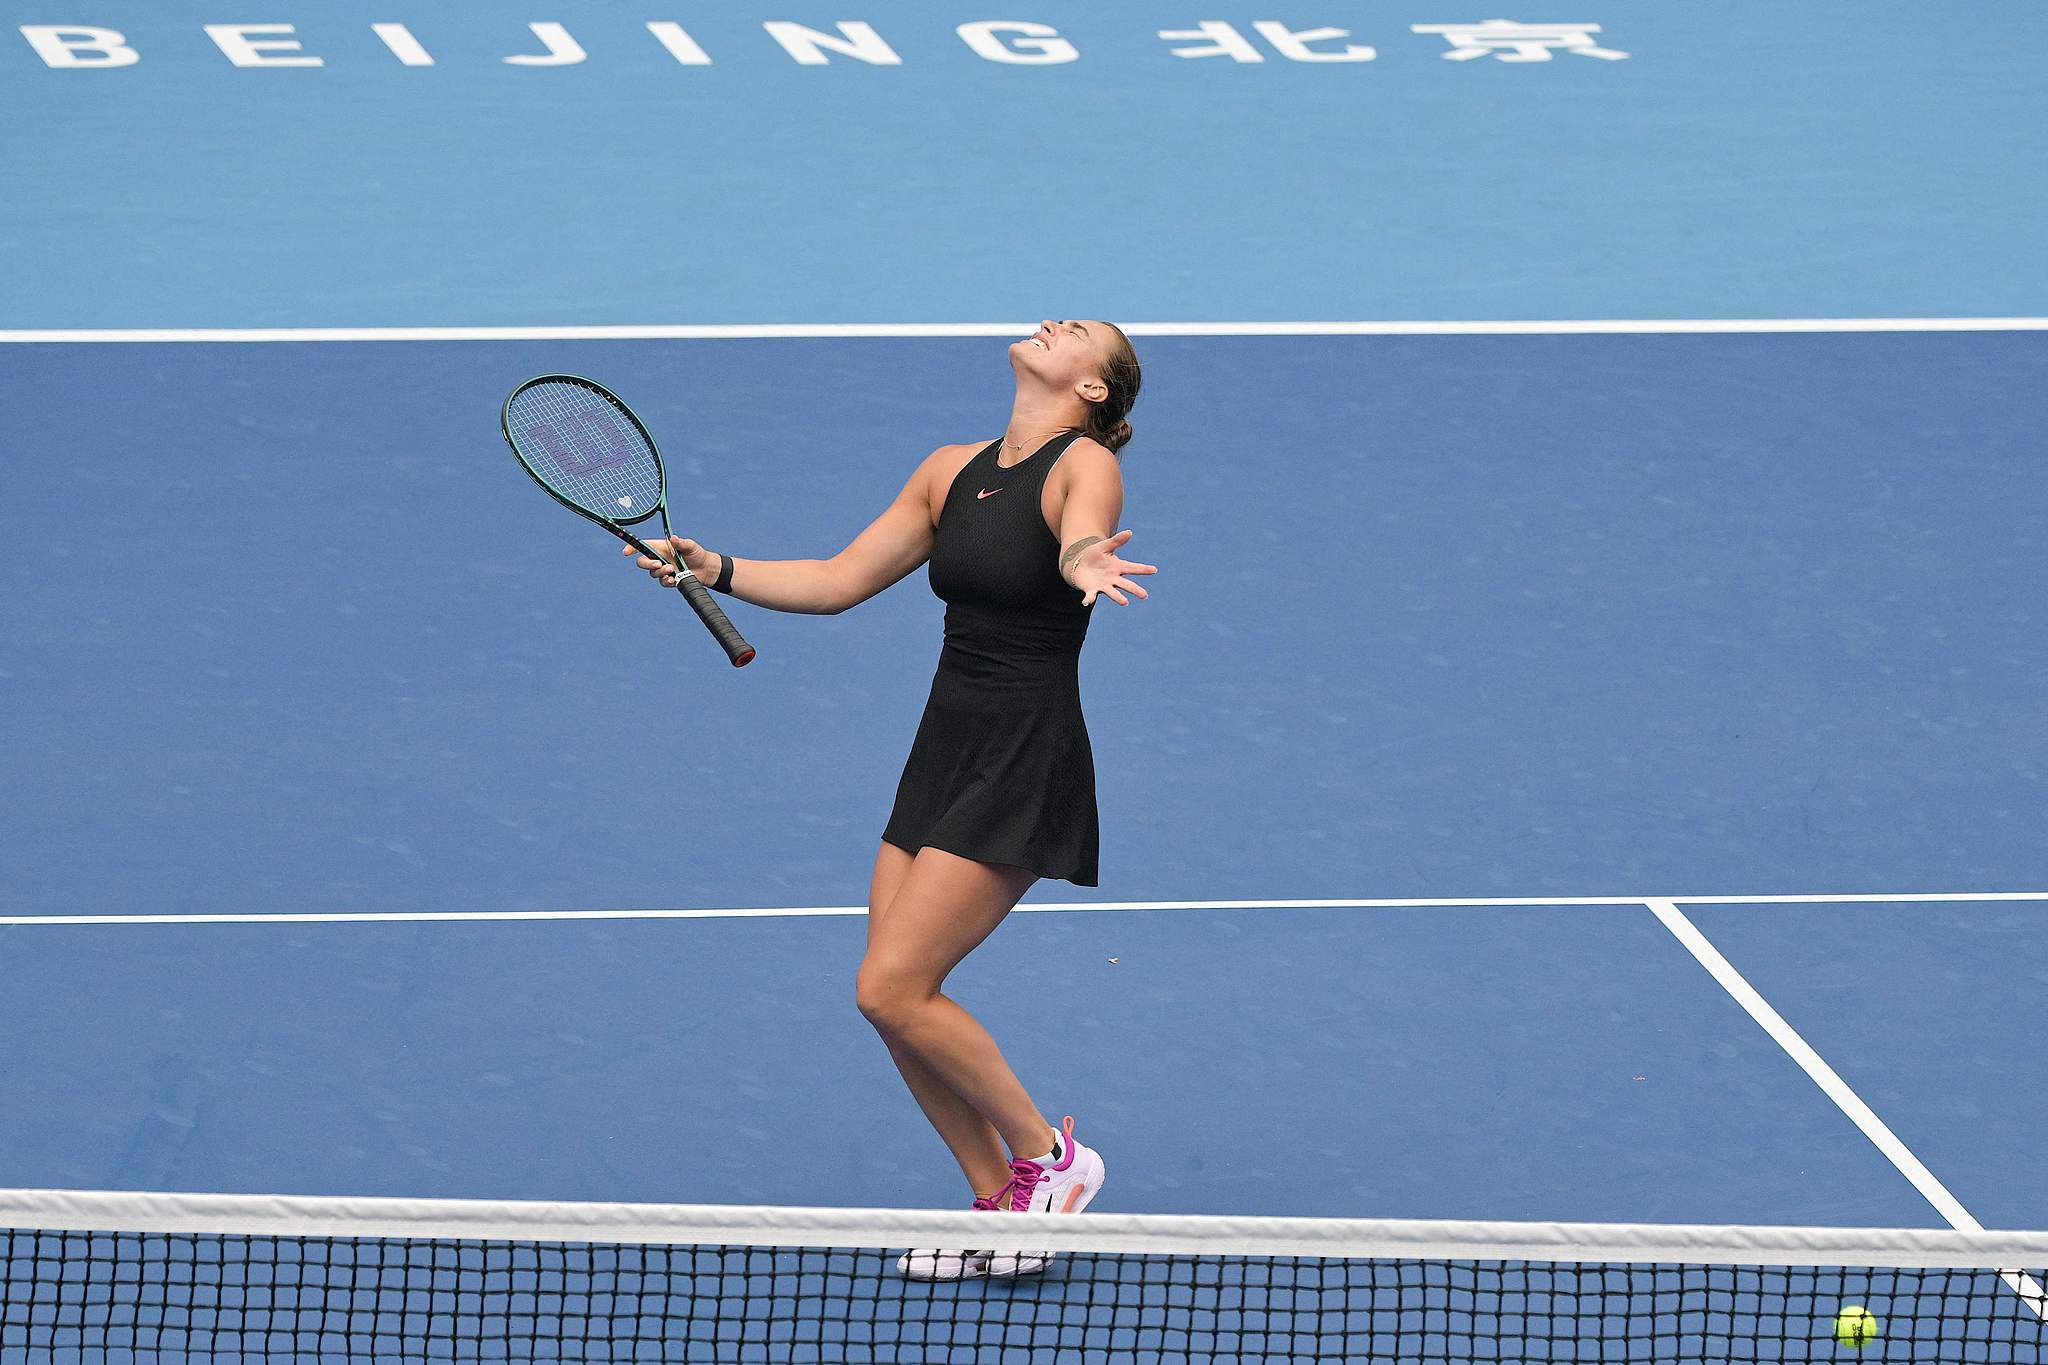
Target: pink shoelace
(1025,1176)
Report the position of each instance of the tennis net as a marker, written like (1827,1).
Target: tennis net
(93,1276)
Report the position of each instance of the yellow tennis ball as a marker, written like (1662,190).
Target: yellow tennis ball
(1855,1326)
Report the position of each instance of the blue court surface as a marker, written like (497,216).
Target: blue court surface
(1558,764)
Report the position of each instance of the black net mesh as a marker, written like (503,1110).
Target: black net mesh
(122,1296)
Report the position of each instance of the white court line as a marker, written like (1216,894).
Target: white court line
(826,330)
(1042,907)
(1815,1066)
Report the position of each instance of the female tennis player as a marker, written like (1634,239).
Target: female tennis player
(999,789)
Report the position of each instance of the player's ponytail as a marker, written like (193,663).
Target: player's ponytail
(1121,376)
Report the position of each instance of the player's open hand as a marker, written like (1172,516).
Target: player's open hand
(1093,566)
(699,561)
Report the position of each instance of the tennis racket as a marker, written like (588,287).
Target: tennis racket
(592,455)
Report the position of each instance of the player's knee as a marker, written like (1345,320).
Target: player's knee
(885,995)
(874,995)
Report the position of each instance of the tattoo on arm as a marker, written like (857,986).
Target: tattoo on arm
(1073,552)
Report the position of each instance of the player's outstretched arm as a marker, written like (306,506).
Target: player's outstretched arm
(1089,540)
(892,546)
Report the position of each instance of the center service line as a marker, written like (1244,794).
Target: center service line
(1837,1089)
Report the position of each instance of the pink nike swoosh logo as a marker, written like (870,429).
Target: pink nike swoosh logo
(987,493)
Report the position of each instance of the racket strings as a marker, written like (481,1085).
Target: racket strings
(583,447)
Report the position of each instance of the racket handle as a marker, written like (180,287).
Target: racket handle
(722,630)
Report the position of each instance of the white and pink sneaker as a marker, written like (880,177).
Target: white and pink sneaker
(952,1265)
(1063,1181)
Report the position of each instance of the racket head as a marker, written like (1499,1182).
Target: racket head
(583,445)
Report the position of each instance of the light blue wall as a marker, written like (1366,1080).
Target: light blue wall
(1744,160)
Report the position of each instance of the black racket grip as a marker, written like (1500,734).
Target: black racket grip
(722,630)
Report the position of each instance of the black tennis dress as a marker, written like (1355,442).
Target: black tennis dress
(1001,771)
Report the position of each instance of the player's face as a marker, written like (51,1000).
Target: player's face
(1066,355)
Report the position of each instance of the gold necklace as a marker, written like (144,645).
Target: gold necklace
(1019,445)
